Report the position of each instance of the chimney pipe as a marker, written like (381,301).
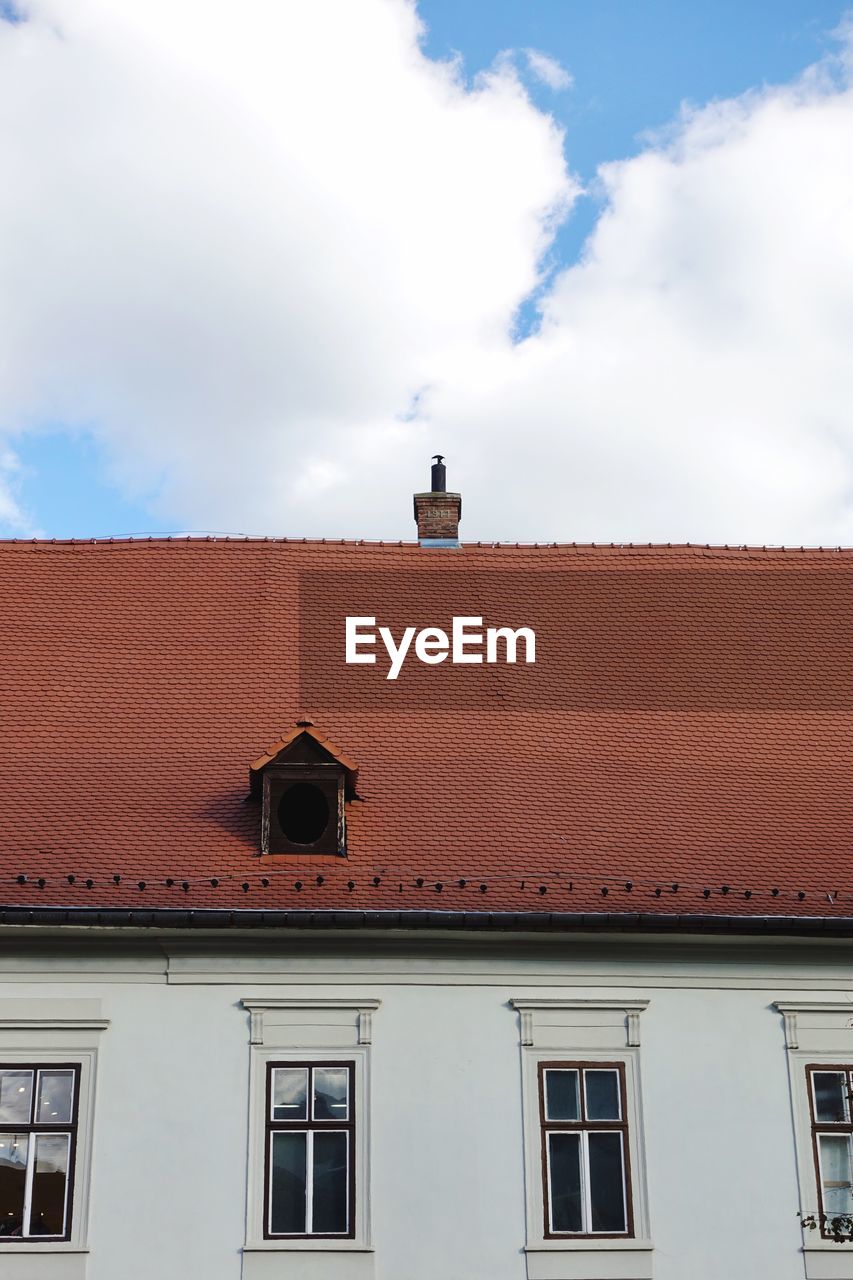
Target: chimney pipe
(438,512)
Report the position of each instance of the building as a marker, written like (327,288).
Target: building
(491,970)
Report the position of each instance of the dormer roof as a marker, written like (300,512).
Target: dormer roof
(284,748)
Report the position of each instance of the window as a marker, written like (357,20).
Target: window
(819,1042)
(309,1137)
(310,1149)
(584,1149)
(48,1068)
(832,1136)
(38,1128)
(303,782)
(586,1201)
(304,810)
(303,813)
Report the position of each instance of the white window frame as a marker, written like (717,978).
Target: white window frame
(587,1231)
(583,1129)
(818,1033)
(56,1032)
(582,1031)
(299,1031)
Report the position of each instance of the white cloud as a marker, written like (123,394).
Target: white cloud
(238,249)
(274,263)
(548,70)
(12,513)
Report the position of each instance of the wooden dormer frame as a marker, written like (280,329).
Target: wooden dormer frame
(303,756)
(273,752)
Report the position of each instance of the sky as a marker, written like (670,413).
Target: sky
(599,253)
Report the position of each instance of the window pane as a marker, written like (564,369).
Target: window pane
(55,1096)
(835,1173)
(13,1175)
(47,1213)
(562,1099)
(331,1090)
(564,1189)
(330,1183)
(831,1101)
(290,1093)
(606,1182)
(287,1183)
(16,1095)
(602,1095)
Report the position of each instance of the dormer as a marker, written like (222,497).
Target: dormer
(303,782)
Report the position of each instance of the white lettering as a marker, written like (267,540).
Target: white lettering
(511,638)
(461,638)
(431,645)
(354,639)
(394,653)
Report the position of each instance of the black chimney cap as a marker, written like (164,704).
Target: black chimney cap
(439,474)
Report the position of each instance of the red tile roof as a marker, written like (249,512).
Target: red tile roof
(681,745)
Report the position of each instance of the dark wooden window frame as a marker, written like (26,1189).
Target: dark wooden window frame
(578,1126)
(302,1126)
(827,1126)
(331,780)
(35,1128)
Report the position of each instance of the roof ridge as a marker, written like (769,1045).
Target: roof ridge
(372,543)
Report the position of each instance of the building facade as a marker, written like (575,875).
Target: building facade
(486,971)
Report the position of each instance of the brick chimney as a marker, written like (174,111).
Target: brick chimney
(438,512)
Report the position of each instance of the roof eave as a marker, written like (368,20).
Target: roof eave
(479,921)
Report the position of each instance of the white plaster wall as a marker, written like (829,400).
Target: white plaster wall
(719,1138)
(171,1124)
(449,1177)
(169,1159)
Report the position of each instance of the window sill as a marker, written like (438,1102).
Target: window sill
(55,1262)
(590,1259)
(307,1261)
(308,1246)
(55,1246)
(825,1260)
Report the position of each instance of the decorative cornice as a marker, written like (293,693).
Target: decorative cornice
(257,1007)
(15,1023)
(791,1008)
(527,1008)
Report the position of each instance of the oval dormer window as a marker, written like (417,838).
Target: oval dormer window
(304,783)
(303,813)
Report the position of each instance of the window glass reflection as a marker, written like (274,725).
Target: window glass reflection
(47,1214)
(331,1089)
(606,1187)
(330,1183)
(602,1095)
(13,1177)
(290,1093)
(55,1097)
(836,1173)
(16,1096)
(831,1100)
(564,1166)
(562,1096)
(287,1190)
